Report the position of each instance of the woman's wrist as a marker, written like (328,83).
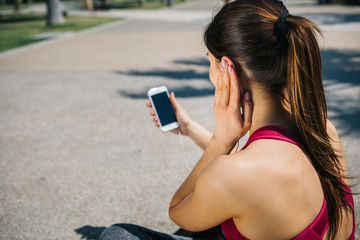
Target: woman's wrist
(199,134)
(195,130)
(225,147)
(190,128)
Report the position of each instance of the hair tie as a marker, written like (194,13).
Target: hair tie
(282,20)
(280,29)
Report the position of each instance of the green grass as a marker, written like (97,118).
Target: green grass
(126,4)
(134,4)
(19,29)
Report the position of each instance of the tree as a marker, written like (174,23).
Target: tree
(88,5)
(16,6)
(54,14)
(170,3)
(142,3)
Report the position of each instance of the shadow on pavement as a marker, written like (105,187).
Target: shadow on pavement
(197,61)
(89,232)
(341,66)
(341,74)
(290,4)
(187,74)
(181,92)
(330,19)
(171,74)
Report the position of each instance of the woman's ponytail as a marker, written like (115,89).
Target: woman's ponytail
(307,102)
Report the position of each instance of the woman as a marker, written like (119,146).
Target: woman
(289,181)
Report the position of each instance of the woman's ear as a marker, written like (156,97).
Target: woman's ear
(228,60)
(243,75)
(235,65)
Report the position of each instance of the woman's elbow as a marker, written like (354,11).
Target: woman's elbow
(173,217)
(331,130)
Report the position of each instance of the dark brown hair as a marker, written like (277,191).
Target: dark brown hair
(284,61)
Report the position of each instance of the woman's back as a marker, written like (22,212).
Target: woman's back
(283,193)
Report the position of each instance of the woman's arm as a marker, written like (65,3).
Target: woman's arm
(199,134)
(212,151)
(212,201)
(195,131)
(230,126)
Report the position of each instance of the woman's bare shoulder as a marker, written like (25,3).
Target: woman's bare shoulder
(266,164)
(336,144)
(236,174)
(244,172)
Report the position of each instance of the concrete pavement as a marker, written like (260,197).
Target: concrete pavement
(78,150)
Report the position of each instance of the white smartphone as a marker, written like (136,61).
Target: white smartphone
(160,101)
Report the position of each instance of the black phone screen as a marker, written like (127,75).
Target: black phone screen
(163,108)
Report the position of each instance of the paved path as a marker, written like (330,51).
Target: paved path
(78,150)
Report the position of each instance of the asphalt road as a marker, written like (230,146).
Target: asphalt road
(78,150)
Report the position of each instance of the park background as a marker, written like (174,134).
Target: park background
(78,149)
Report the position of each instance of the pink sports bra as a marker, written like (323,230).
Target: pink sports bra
(317,229)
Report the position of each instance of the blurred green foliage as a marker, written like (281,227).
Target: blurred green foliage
(106,4)
(131,4)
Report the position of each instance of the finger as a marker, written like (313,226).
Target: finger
(217,94)
(234,98)
(176,105)
(155,119)
(225,86)
(217,91)
(148,104)
(152,113)
(247,109)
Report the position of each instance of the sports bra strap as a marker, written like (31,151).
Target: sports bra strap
(275,132)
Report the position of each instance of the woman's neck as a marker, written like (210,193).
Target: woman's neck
(268,110)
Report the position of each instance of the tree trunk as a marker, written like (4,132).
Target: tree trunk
(54,12)
(88,5)
(142,3)
(16,6)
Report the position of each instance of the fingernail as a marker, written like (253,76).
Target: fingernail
(222,62)
(230,69)
(247,96)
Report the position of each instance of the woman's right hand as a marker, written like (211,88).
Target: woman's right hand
(180,113)
(230,124)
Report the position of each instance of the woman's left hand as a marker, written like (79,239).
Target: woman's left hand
(230,124)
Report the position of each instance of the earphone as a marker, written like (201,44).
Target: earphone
(183,150)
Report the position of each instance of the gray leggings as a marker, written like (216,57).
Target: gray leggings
(125,231)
